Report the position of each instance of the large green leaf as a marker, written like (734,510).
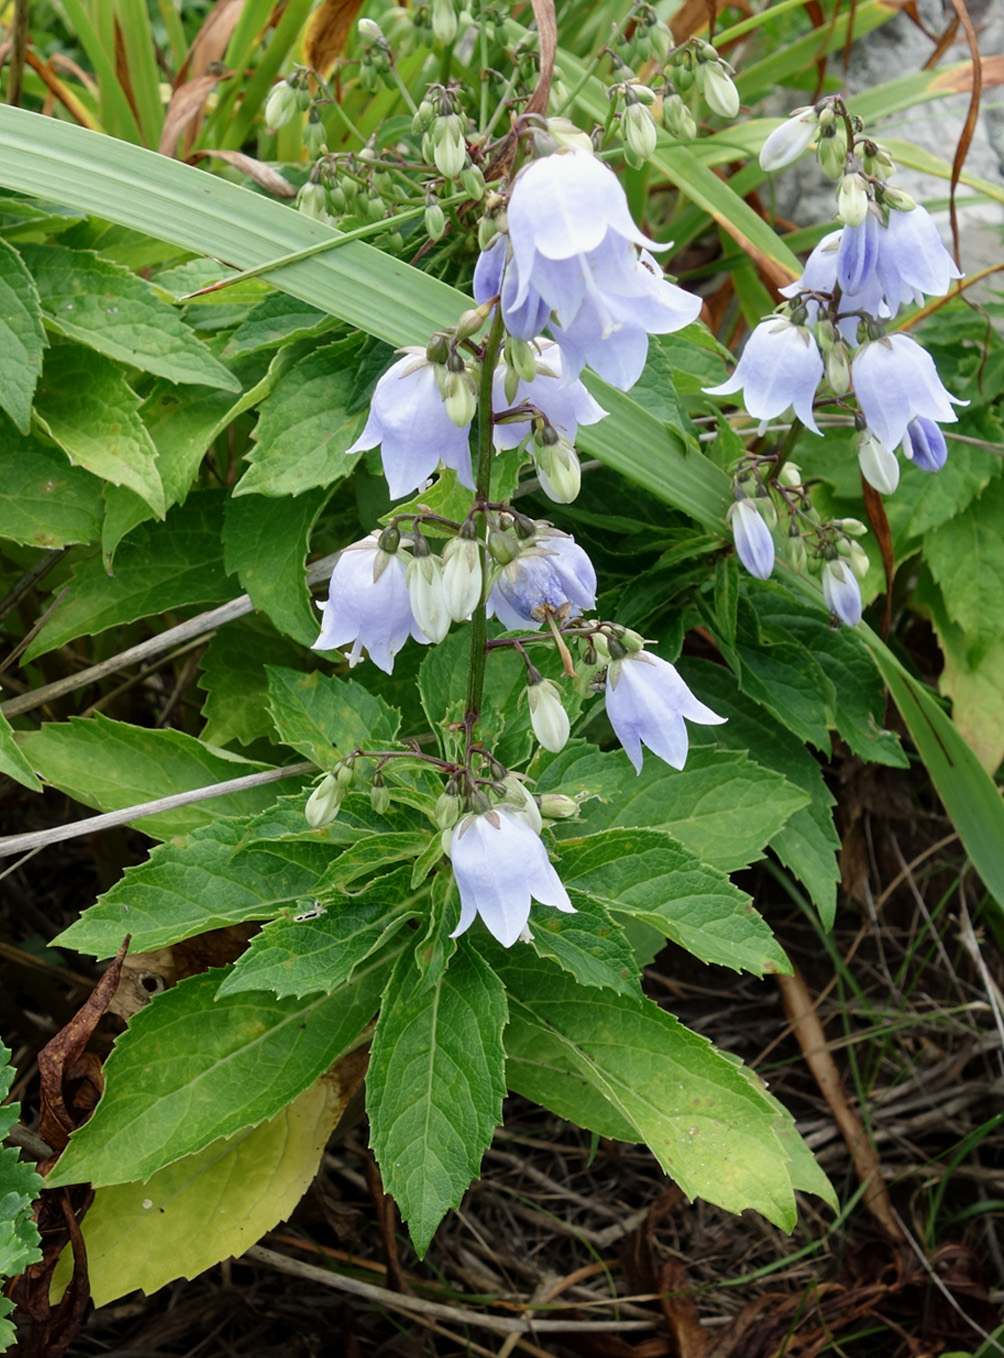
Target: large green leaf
(191,1068)
(111,764)
(326,718)
(22,337)
(109,308)
(435,1084)
(206,880)
(44,501)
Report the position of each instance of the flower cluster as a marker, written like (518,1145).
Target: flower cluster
(566,256)
(831,337)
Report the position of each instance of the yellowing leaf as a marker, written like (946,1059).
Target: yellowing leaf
(327,32)
(212,1205)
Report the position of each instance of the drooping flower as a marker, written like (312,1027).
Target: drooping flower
(547,715)
(924,444)
(566,404)
(895,381)
(500,865)
(647,702)
(550,574)
(788,141)
(753,539)
(781,366)
(842,592)
(573,253)
(409,421)
(462,577)
(368,605)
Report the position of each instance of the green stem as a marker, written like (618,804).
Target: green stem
(786,449)
(483,483)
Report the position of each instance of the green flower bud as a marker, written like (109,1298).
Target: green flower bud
(790,475)
(487,231)
(460,399)
(473,182)
(444,21)
(638,130)
(379,795)
(677,118)
(448,809)
(558,469)
(370,31)
(313,135)
(718,89)
(548,716)
(502,547)
(796,554)
(280,106)
(521,358)
(312,201)
(449,148)
(435,221)
(832,150)
(838,369)
(556,806)
(897,199)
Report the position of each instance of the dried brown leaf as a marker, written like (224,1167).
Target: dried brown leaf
(960,81)
(187,103)
(327,32)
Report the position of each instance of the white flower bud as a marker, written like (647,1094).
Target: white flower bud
(449,150)
(280,106)
(677,119)
(427,595)
(564,133)
(547,716)
(312,201)
(324,802)
(459,399)
(852,200)
(838,368)
(857,559)
(556,806)
(790,475)
(448,809)
(879,466)
(638,130)
(370,31)
(462,579)
(718,89)
(444,21)
(787,142)
(558,469)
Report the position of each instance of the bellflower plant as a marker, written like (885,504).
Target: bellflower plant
(647,702)
(781,366)
(754,542)
(368,605)
(895,381)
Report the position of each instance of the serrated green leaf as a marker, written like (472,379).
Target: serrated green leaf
(44,501)
(22,337)
(442,681)
(327,718)
(858,706)
(158,567)
(645,875)
(304,427)
(191,1068)
(276,319)
(208,1206)
(966,558)
(110,309)
(435,1085)
(111,764)
(208,880)
(589,945)
(721,807)
(12,759)
(786,678)
(233,677)
(265,543)
(19,1187)
(709,1124)
(808,842)
(86,406)
(335,933)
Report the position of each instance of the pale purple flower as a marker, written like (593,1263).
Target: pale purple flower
(499,865)
(858,254)
(409,420)
(820,276)
(924,444)
(552,573)
(493,279)
(573,253)
(912,260)
(781,366)
(842,592)
(895,380)
(566,404)
(753,539)
(647,702)
(369,605)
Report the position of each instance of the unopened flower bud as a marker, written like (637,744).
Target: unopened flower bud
(838,368)
(471,322)
(462,578)
(556,806)
(718,89)
(379,794)
(345,773)
(313,135)
(548,716)
(424,117)
(487,231)
(502,547)
(370,31)
(558,470)
(852,200)
(426,592)
(897,199)
(795,552)
(280,106)
(877,161)
(854,527)
(563,134)
(460,400)
(520,801)
(449,149)
(879,466)
(857,559)
(832,151)
(790,475)
(677,118)
(787,142)
(324,802)
(520,358)
(312,201)
(638,130)
(754,544)
(435,221)
(444,21)
(473,182)
(448,809)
